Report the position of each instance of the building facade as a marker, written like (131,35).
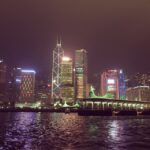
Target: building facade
(138,80)
(14,84)
(67,82)
(113,82)
(58,54)
(27,86)
(3,80)
(42,89)
(138,93)
(81,70)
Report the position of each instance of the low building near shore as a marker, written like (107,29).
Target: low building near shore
(138,93)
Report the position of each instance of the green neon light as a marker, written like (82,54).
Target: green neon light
(93,95)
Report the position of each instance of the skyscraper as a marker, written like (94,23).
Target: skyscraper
(80,73)
(122,85)
(14,84)
(113,82)
(67,83)
(56,73)
(27,86)
(3,80)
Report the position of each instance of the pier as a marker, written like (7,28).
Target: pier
(100,106)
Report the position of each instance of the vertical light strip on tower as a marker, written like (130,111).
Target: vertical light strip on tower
(58,53)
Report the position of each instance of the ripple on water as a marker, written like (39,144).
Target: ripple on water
(42,131)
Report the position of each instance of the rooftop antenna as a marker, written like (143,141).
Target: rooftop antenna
(58,41)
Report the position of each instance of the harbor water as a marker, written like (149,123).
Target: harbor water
(48,131)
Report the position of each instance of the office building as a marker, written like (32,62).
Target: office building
(81,73)
(138,93)
(67,82)
(3,80)
(27,86)
(138,79)
(113,82)
(58,54)
(14,84)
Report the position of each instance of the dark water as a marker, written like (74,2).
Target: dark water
(46,131)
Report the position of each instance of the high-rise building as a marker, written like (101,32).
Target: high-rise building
(138,93)
(14,84)
(3,80)
(113,82)
(56,73)
(122,85)
(66,71)
(27,86)
(67,82)
(42,89)
(81,73)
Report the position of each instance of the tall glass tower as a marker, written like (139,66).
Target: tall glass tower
(67,82)
(80,73)
(58,53)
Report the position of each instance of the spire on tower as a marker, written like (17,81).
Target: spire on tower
(58,41)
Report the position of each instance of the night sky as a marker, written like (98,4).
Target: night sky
(116,33)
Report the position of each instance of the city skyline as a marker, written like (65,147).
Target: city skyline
(115,37)
(74,74)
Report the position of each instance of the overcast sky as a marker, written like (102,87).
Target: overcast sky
(116,33)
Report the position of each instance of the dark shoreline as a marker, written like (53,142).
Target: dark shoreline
(35,110)
(81,112)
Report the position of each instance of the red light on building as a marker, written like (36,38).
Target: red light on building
(49,85)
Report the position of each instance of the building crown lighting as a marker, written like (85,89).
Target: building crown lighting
(28,71)
(58,44)
(65,58)
(1,60)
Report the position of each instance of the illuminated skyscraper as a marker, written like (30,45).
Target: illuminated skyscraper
(3,81)
(56,73)
(122,85)
(113,82)
(67,85)
(66,71)
(80,73)
(27,85)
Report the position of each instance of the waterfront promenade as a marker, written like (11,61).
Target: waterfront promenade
(91,106)
(103,104)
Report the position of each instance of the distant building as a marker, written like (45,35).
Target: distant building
(138,80)
(14,84)
(81,73)
(139,93)
(66,79)
(3,80)
(113,82)
(42,90)
(27,86)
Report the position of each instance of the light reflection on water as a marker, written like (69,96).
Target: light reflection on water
(43,131)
